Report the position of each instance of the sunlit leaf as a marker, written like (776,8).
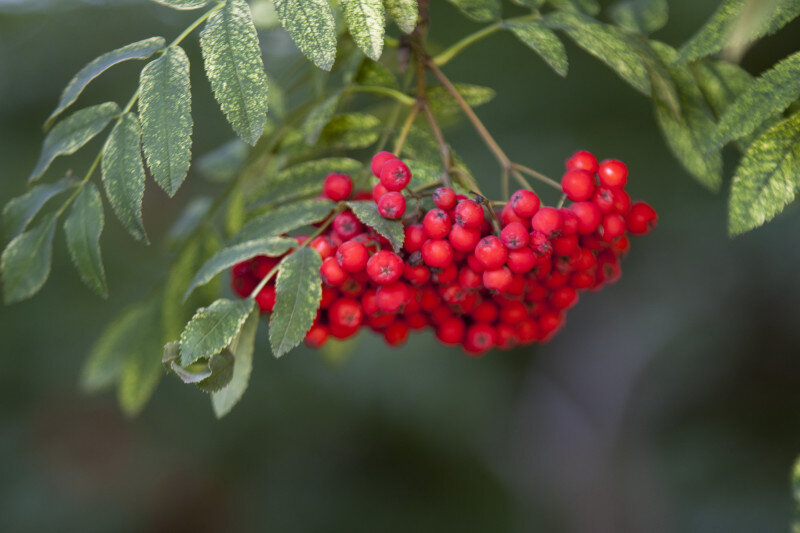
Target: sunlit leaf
(312,27)
(298,293)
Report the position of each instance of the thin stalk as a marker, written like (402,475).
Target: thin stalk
(449,53)
(444,149)
(538,175)
(404,130)
(400,97)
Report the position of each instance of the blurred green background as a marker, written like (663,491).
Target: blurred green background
(669,402)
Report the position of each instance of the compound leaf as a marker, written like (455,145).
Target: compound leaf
(19,211)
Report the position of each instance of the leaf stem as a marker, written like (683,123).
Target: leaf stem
(449,53)
(400,97)
(400,142)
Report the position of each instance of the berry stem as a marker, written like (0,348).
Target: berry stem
(538,175)
(400,142)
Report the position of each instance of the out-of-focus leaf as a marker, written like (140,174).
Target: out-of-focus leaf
(25,262)
(284,219)
(19,211)
(543,41)
(643,16)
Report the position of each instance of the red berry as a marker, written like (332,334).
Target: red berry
(525,203)
(444,198)
(485,312)
(604,199)
(513,313)
(392,205)
(521,261)
(323,246)
(565,245)
(437,224)
(262,265)
(540,244)
(414,238)
(447,274)
(347,225)
(337,187)
(578,185)
(396,333)
(346,312)
(613,226)
(491,252)
(243,286)
(451,330)
(564,298)
(526,331)
(417,275)
(583,160)
(469,214)
(329,295)
(384,267)
(508,215)
(266,299)
(377,191)
(570,226)
(641,219)
(548,220)
(392,298)
(437,253)
(464,239)
(498,280)
(332,273)
(378,160)
(352,256)
(514,236)
(479,338)
(622,201)
(316,336)
(613,173)
(395,175)
(589,216)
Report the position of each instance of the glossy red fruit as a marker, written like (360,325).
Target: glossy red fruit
(508,215)
(641,219)
(578,185)
(521,261)
(589,217)
(480,338)
(317,336)
(548,220)
(491,252)
(613,226)
(392,205)
(525,203)
(444,198)
(352,256)
(378,160)
(346,312)
(469,279)
(514,236)
(437,253)
(392,298)
(469,214)
(347,225)
(583,160)
(266,299)
(384,267)
(396,333)
(464,239)
(437,224)
(451,331)
(243,285)
(563,298)
(395,175)
(332,273)
(377,191)
(323,246)
(499,279)
(613,173)
(337,187)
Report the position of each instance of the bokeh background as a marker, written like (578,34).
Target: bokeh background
(669,403)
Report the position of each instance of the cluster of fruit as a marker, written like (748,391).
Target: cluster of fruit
(478,279)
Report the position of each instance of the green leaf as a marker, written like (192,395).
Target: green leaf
(227,257)
(543,41)
(767,177)
(283,219)
(404,13)
(141,368)
(305,178)
(475,95)
(223,163)
(138,50)
(264,15)
(176,310)
(319,117)
(721,83)
(480,10)
(365,20)
(579,6)
(26,261)
(242,349)
(189,220)
(234,67)
(606,43)
(371,73)
(119,340)
(165,109)
(767,97)
(213,328)
(312,27)
(221,367)
(689,135)
(123,174)
(19,212)
(423,173)
(351,131)
(737,23)
(367,213)
(72,133)
(643,16)
(83,227)
(298,293)
(182,4)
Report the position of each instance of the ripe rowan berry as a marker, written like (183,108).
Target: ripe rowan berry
(540,244)
(323,245)
(346,312)
(469,279)
(396,333)
(563,298)
(416,275)
(464,239)
(444,198)
(613,173)
(392,205)
(479,338)
(384,267)
(578,185)
(514,236)
(508,215)
(469,214)
(395,175)
(437,224)
(521,261)
(437,253)
(243,286)
(583,160)
(451,331)
(525,203)
(352,256)
(337,187)
(378,190)
(378,160)
(331,272)
(641,219)
(491,252)
(548,220)
(485,311)
(447,274)
(266,299)
(392,298)
(316,336)
(347,225)
(499,279)
(589,217)
(613,226)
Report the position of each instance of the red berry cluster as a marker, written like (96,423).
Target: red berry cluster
(474,287)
